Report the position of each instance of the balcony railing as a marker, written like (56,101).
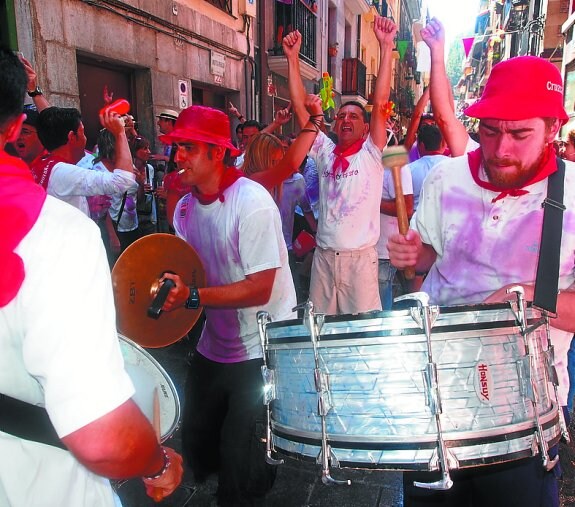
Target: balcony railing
(297,16)
(353,77)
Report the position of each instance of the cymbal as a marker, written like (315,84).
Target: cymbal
(135,279)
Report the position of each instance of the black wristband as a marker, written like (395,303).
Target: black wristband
(193,301)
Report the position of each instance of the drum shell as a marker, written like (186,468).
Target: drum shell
(380,417)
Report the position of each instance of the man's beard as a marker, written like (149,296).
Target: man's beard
(516,178)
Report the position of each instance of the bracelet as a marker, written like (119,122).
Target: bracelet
(316,116)
(310,130)
(164,469)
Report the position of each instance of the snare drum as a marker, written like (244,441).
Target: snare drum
(380,416)
(147,375)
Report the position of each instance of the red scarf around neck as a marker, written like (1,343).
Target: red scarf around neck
(21,201)
(42,168)
(547,168)
(340,155)
(230,176)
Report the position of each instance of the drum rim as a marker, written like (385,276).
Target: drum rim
(176,423)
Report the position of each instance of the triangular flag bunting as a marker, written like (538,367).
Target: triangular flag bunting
(467,44)
(402,48)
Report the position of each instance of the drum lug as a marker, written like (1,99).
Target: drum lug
(549,355)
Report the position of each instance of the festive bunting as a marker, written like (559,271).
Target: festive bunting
(467,44)
(402,48)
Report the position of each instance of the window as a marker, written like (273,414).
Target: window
(224,5)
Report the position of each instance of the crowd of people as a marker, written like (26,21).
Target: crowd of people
(475,231)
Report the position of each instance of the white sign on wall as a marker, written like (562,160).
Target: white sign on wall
(217,63)
(183,93)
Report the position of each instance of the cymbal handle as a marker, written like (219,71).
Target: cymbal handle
(155,309)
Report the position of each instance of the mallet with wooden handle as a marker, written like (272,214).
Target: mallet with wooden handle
(395,158)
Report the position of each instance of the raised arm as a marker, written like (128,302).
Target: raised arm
(415,117)
(298,149)
(441,98)
(385,30)
(39,100)
(291,45)
(115,125)
(282,116)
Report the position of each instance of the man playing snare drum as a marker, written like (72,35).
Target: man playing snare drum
(477,231)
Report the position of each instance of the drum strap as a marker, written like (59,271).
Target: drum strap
(547,279)
(27,421)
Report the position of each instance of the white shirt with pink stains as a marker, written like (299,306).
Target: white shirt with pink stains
(483,245)
(348,200)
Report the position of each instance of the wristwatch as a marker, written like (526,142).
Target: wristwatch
(193,301)
(35,92)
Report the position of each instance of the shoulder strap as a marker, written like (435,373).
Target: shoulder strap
(27,421)
(547,279)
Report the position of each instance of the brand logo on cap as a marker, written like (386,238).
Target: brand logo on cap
(554,87)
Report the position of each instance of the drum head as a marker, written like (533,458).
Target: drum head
(135,279)
(148,375)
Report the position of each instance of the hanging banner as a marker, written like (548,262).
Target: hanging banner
(402,48)
(467,44)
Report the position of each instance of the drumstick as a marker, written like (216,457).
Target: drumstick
(396,157)
(157,494)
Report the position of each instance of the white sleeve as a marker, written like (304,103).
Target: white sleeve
(68,180)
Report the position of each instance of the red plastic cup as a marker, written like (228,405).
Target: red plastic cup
(120,106)
(303,243)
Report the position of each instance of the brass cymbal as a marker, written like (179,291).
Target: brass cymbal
(135,278)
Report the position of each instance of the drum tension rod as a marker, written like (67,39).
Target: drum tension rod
(269,386)
(521,315)
(326,456)
(424,315)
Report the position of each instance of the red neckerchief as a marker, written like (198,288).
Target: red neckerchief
(230,176)
(20,203)
(42,168)
(548,167)
(340,155)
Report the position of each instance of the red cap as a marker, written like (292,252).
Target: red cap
(521,88)
(204,124)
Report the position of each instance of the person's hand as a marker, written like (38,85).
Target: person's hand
(283,115)
(434,35)
(164,486)
(384,30)
(233,110)
(312,104)
(505,294)
(113,122)
(291,44)
(178,295)
(161,192)
(403,250)
(30,73)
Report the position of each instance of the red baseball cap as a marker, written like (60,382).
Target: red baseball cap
(520,88)
(204,124)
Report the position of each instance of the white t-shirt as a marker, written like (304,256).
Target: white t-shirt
(60,350)
(482,246)
(72,184)
(235,238)
(348,201)
(388,224)
(419,169)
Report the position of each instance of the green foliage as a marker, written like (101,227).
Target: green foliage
(455,61)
